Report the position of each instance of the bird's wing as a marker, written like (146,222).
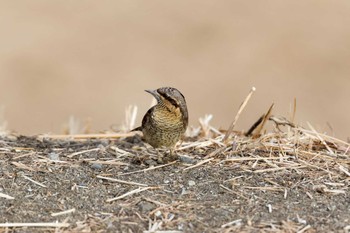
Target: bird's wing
(145,120)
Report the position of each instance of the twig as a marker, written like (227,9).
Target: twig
(109,162)
(235,222)
(170,231)
(294,110)
(309,195)
(121,181)
(35,182)
(254,159)
(35,224)
(63,212)
(24,155)
(278,189)
(320,138)
(22,166)
(324,136)
(277,169)
(264,120)
(343,169)
(215,152)
(314,166)
(148,169)
(198,164)
(86,136)
(138,190)
(279,120)
(82,152)
(229,131)
(254,126)
(269,207)
(6,196)
(196,144)
(304,229)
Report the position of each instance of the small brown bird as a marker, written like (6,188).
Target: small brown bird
(165,123)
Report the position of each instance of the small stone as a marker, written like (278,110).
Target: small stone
(191,183)
(54,156)
(184,191)
(187,159)
(96,166)
(151,162)
(180,226)
(146,207)
(171,216)
(158,213)
(104,143)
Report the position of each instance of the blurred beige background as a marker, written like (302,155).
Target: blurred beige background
(91,59)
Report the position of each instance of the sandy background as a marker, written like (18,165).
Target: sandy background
(92,59)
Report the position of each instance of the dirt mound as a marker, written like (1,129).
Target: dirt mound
(296,181)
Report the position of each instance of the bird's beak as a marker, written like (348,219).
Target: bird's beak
(154,93)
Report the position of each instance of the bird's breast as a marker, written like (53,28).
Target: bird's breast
(165,119)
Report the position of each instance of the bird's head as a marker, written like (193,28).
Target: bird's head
(171,98)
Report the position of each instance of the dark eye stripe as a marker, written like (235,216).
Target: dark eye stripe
(170,99)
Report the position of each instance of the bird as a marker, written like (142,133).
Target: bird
(166,122)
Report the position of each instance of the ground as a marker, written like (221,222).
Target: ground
(276,183)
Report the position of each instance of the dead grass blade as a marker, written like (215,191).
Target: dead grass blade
(63,212)
(108,162)
(82,152)
(343,169)
(148,169)
(294,110)
(265,117)
(35,224)
(23,166)
(198,164)
(33,181)
(121,181)
(321,139)
(278,169)
(138,190)
(85,136)
(253,159)
(240,110)
(6,196)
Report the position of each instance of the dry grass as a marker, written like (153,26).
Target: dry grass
(323,161)
(290,180)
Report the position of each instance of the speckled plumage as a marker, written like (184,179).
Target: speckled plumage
(165,123)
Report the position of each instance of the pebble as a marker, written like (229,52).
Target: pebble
(104,143)
(191,183)
(184,191)
(150,162)
(146,207)
(158,213)
(96,166)
(54,156)
(187,159)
